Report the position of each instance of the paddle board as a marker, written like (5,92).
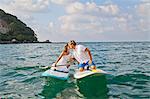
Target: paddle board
(85,73)
(59,73)
(62,73)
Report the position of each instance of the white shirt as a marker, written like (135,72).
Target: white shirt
(80,55)
(64,60)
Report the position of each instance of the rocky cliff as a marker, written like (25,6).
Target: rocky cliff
(13,29)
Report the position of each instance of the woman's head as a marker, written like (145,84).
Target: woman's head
(72,44)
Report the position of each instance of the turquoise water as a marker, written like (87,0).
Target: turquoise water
(128,65)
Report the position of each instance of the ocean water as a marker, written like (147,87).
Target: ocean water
(128,65)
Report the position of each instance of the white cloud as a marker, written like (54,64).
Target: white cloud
(25,9)
(75,7)
(30,5)
(102,19)
(79,22)
(88,17)
(145,1)
(111,9)
(62,2)
(143,9)
(26,6)
(143,12)
(73,18)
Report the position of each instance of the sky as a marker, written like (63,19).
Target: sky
(84,20)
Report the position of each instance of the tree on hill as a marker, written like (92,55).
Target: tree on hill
(12,28)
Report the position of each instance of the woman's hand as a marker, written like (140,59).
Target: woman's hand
(54,64)
(53,68)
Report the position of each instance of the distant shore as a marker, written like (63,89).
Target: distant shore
(17,42)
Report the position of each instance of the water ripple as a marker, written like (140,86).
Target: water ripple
(126,62)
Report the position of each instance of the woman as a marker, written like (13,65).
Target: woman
(64,57)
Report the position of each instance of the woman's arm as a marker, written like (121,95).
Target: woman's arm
(60,56)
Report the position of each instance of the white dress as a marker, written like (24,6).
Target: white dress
(64,60)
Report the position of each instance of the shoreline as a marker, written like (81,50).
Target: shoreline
(9,42)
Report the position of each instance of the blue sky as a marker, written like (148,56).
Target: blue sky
(84,20)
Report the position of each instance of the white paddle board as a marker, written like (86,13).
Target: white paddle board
(85,73)
(60,73)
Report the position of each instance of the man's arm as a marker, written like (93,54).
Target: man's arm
(89,53)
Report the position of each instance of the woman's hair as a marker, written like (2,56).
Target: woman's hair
(66,48)
(72,42)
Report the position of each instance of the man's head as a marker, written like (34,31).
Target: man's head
(72,44)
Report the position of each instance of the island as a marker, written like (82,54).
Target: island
(13,30)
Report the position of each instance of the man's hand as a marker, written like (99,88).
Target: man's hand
(90,61)
(89,53)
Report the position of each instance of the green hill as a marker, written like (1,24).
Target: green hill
(11,28)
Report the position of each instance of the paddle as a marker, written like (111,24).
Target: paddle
(46,67)
(69,63)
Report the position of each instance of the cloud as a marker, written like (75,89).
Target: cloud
(143,12)
(30,5)
(62,2)
(25,9)
(143,9)
(77,7)
(145,1)
(26,5)
(110,9)
(107,20)
(88,17)
(73,18)
(77,23)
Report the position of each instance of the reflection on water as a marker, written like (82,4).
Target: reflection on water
(52,87)
(56,88)
(93,86)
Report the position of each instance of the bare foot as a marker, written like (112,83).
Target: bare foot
(81,69)
(93,67)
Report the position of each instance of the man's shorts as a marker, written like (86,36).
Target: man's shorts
(82,65)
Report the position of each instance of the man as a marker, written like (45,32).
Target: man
(82,55)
